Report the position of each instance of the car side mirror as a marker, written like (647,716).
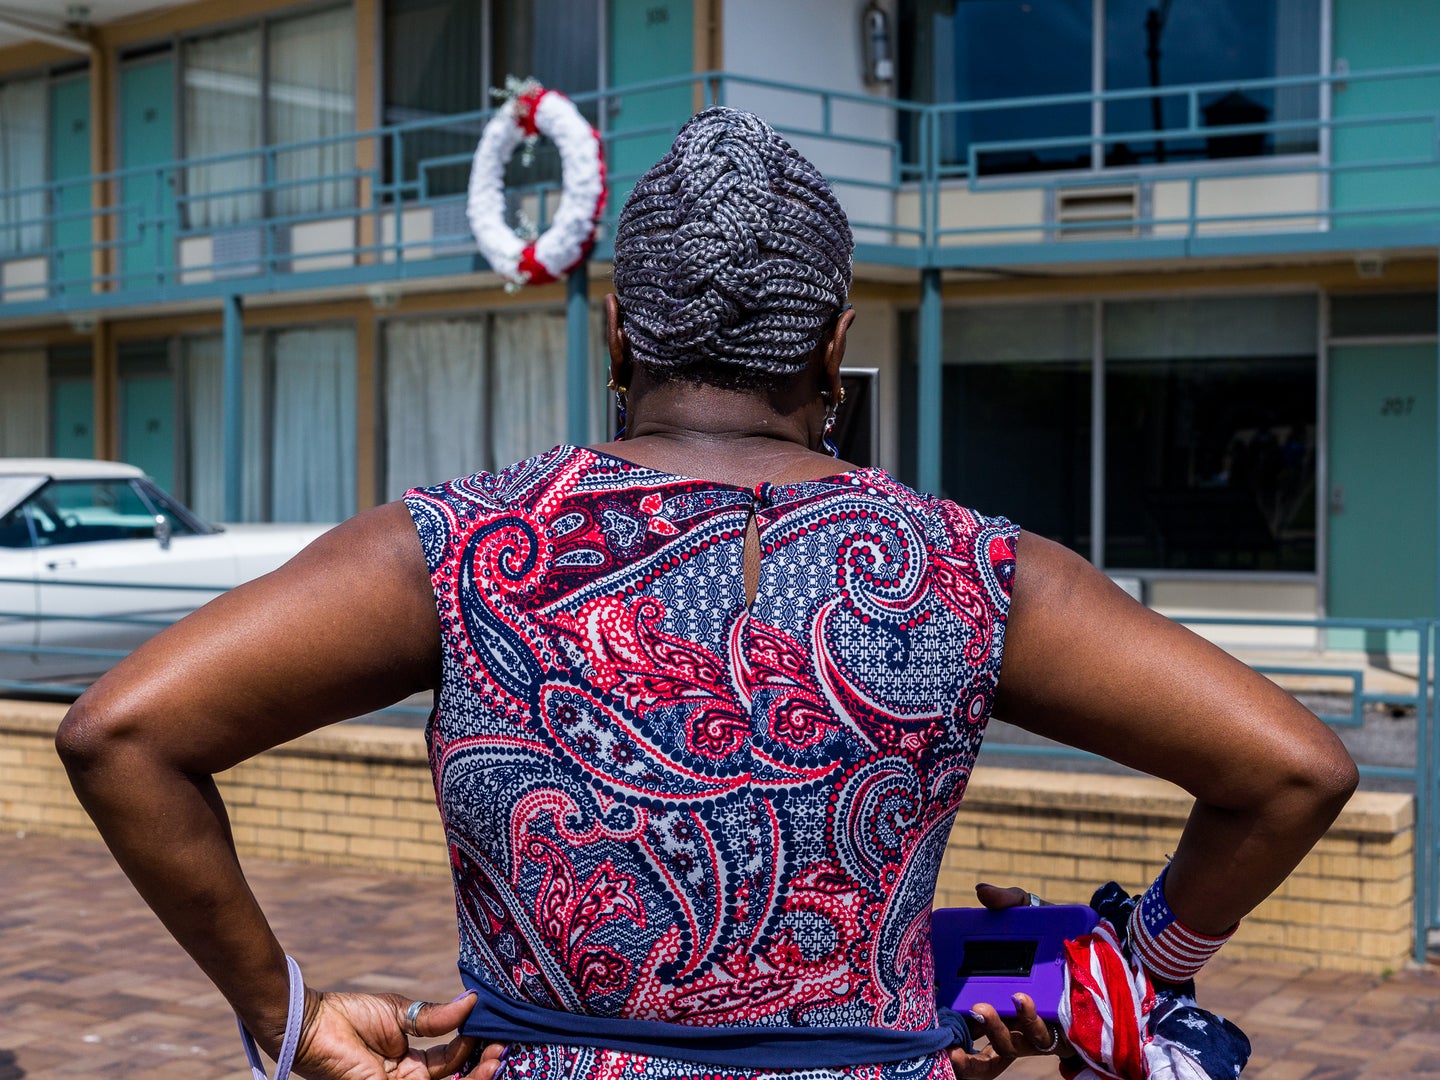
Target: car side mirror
(162,531)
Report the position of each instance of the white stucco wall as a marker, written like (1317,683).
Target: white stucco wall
(817,44)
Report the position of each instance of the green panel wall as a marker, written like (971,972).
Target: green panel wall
(147,137)
(1369,35)
(70,160)
(1382,528)
(649,39)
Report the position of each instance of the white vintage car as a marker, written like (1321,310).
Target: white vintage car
(94,558)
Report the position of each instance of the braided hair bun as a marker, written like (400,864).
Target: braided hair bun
(732,255)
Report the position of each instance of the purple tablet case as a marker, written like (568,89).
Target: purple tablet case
(983,955)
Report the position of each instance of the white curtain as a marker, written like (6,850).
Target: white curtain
(24,405)
(528,385)
(436,409)
(23,119)
(311,95)
(222,116)
(205,427)
(312,465)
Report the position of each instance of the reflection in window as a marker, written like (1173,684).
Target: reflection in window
(1015,418)
(1162,44)
(973,50)
(1210,434)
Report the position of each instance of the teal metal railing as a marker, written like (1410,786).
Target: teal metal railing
(382,205)
(1347,680)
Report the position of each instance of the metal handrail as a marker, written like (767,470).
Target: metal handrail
(378,181)
(1421,776)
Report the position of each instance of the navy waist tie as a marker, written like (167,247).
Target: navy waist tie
(498,1017)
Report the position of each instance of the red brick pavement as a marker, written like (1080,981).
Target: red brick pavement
(91,985)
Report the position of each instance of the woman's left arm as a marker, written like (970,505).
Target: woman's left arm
(346,627)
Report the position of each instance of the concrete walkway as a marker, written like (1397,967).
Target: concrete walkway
(91,985)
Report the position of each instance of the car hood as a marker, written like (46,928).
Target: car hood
(274,536)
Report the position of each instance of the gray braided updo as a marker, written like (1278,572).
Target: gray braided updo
(732,255)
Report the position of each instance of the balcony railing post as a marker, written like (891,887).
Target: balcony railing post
(577,354)
(927,406)
(233,382)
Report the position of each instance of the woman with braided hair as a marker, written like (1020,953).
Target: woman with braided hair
(706,702)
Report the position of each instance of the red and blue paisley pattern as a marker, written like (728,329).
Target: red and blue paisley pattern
(662,804)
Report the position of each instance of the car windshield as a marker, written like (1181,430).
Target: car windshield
(83,511)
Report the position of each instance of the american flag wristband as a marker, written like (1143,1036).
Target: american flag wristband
(1166,946)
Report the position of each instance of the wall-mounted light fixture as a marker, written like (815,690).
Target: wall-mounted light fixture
(876,41)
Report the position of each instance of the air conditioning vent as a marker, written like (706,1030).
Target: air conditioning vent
(1093,213)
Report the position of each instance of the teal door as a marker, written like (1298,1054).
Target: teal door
(1382,532)
(649,39)
(147,137)
(1404,36)
(147,426)
(72,418)
(70,161)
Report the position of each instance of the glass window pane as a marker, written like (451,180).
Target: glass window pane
(1015,427)
(556,42)
(1210,434)
(222,116)
(83,511)
(312,457)
(433,70)
(1152,44)
(1383,315)
(978,50)
(311,95)
(23,119)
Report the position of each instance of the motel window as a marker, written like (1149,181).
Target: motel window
(972,51)
(298,423)
(462,394)
(23,120)
(283,80)
(1209,414)
(441,59)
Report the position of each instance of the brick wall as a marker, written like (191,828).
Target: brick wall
(361,796)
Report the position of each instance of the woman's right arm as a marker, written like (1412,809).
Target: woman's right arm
(346,627)
(1086,665)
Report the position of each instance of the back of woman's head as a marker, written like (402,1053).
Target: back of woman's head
(732,255)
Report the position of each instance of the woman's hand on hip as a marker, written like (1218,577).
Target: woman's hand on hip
(1023,1035)
(367,1037)
(1008,1038)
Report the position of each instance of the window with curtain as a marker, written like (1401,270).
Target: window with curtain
(1015,426)
(204,426)
(437,402)
(299,430)
(24,117)
(979,50)
(281,81)
(24,406)
(1211,434)
(470,395)
(436,67)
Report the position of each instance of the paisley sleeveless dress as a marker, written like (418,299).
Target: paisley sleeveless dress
(664,804)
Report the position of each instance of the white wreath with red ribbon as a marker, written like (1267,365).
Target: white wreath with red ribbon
(533,111)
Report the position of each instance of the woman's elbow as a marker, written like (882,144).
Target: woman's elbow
(1321,778)
(91,737)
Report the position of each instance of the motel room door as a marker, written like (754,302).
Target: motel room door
(1381,506)
(147,137)
(649,39)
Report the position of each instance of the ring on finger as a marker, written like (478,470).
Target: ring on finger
(412,1013)
(1054,1041)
